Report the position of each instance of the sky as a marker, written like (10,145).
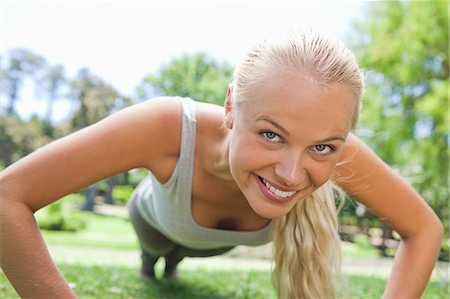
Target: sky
(123,41)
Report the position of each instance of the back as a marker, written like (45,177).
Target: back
(167,206)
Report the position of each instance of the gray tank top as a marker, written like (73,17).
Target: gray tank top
(167,207)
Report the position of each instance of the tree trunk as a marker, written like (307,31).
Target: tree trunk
(90,198)
(387,234)
(111,181)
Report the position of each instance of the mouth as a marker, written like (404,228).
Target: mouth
(274,193)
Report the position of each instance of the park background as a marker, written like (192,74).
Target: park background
(66,65)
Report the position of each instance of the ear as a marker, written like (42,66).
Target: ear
(229,107)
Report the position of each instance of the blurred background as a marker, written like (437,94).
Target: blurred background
(66,65)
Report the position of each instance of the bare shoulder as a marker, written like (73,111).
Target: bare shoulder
(146,135)
(156,128)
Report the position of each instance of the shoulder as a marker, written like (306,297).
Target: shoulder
(160,131)
(152,129)
(161,109)
(152,119)
(161,128)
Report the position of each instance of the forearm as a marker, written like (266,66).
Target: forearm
(413,265)
(24,257)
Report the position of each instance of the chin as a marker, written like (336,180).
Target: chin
(268,211)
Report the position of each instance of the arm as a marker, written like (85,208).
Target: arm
(134,137)
(378,187)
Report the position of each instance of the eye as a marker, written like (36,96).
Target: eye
(271,136)
(323,149)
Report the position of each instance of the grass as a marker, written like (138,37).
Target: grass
(123,282)
(101,231)
(102,261)
(116,232)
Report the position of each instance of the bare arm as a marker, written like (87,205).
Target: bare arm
(378,187)
(134,137)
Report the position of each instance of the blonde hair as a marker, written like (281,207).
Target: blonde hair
(306,241)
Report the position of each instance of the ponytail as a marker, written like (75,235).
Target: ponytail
(307,251)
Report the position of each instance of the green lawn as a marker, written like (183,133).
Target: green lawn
(102,261)
(101,231)
(108,281)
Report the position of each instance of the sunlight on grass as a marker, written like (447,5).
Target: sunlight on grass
(102,261)
(101,231)
(123,282)
(354,250)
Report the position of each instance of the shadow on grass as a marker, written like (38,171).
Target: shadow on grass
(124,282)
(93,282)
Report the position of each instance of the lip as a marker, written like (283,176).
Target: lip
(274,197)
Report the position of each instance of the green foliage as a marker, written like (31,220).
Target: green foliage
(19,138)
(59,217)
(445,251)
(403,45)
(95,99)
(121,194)
(198,76)
(362,241)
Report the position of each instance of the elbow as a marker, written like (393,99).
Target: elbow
(436,228)
(434,231)
(440,230)
(431,231)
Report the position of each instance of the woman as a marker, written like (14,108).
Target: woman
(260,169)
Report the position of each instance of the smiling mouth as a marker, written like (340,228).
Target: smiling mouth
(275,194)
(275,191)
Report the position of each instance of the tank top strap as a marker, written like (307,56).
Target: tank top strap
(187,146)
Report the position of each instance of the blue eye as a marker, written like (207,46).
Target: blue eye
(323,149)
(271,136)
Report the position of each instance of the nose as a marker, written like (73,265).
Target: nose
(291,169)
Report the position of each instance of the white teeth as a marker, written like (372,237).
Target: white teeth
(276,191)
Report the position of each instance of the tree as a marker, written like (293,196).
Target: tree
(52,81)
(96,100)
(19,138)
(404,45)
(198,76)
(21,64)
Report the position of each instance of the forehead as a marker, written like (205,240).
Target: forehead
(300,103)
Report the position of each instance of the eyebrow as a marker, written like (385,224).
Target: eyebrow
(332,138)
(274,123)
(286,132)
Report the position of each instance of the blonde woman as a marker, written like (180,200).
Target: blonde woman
(259,169)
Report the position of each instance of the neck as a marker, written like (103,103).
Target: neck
(221,166)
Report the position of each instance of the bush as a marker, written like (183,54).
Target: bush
(57,217)
(362,241)
(121,194)
(444,255)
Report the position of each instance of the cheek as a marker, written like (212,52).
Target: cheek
(245,157)
(239,154)
(321,173)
